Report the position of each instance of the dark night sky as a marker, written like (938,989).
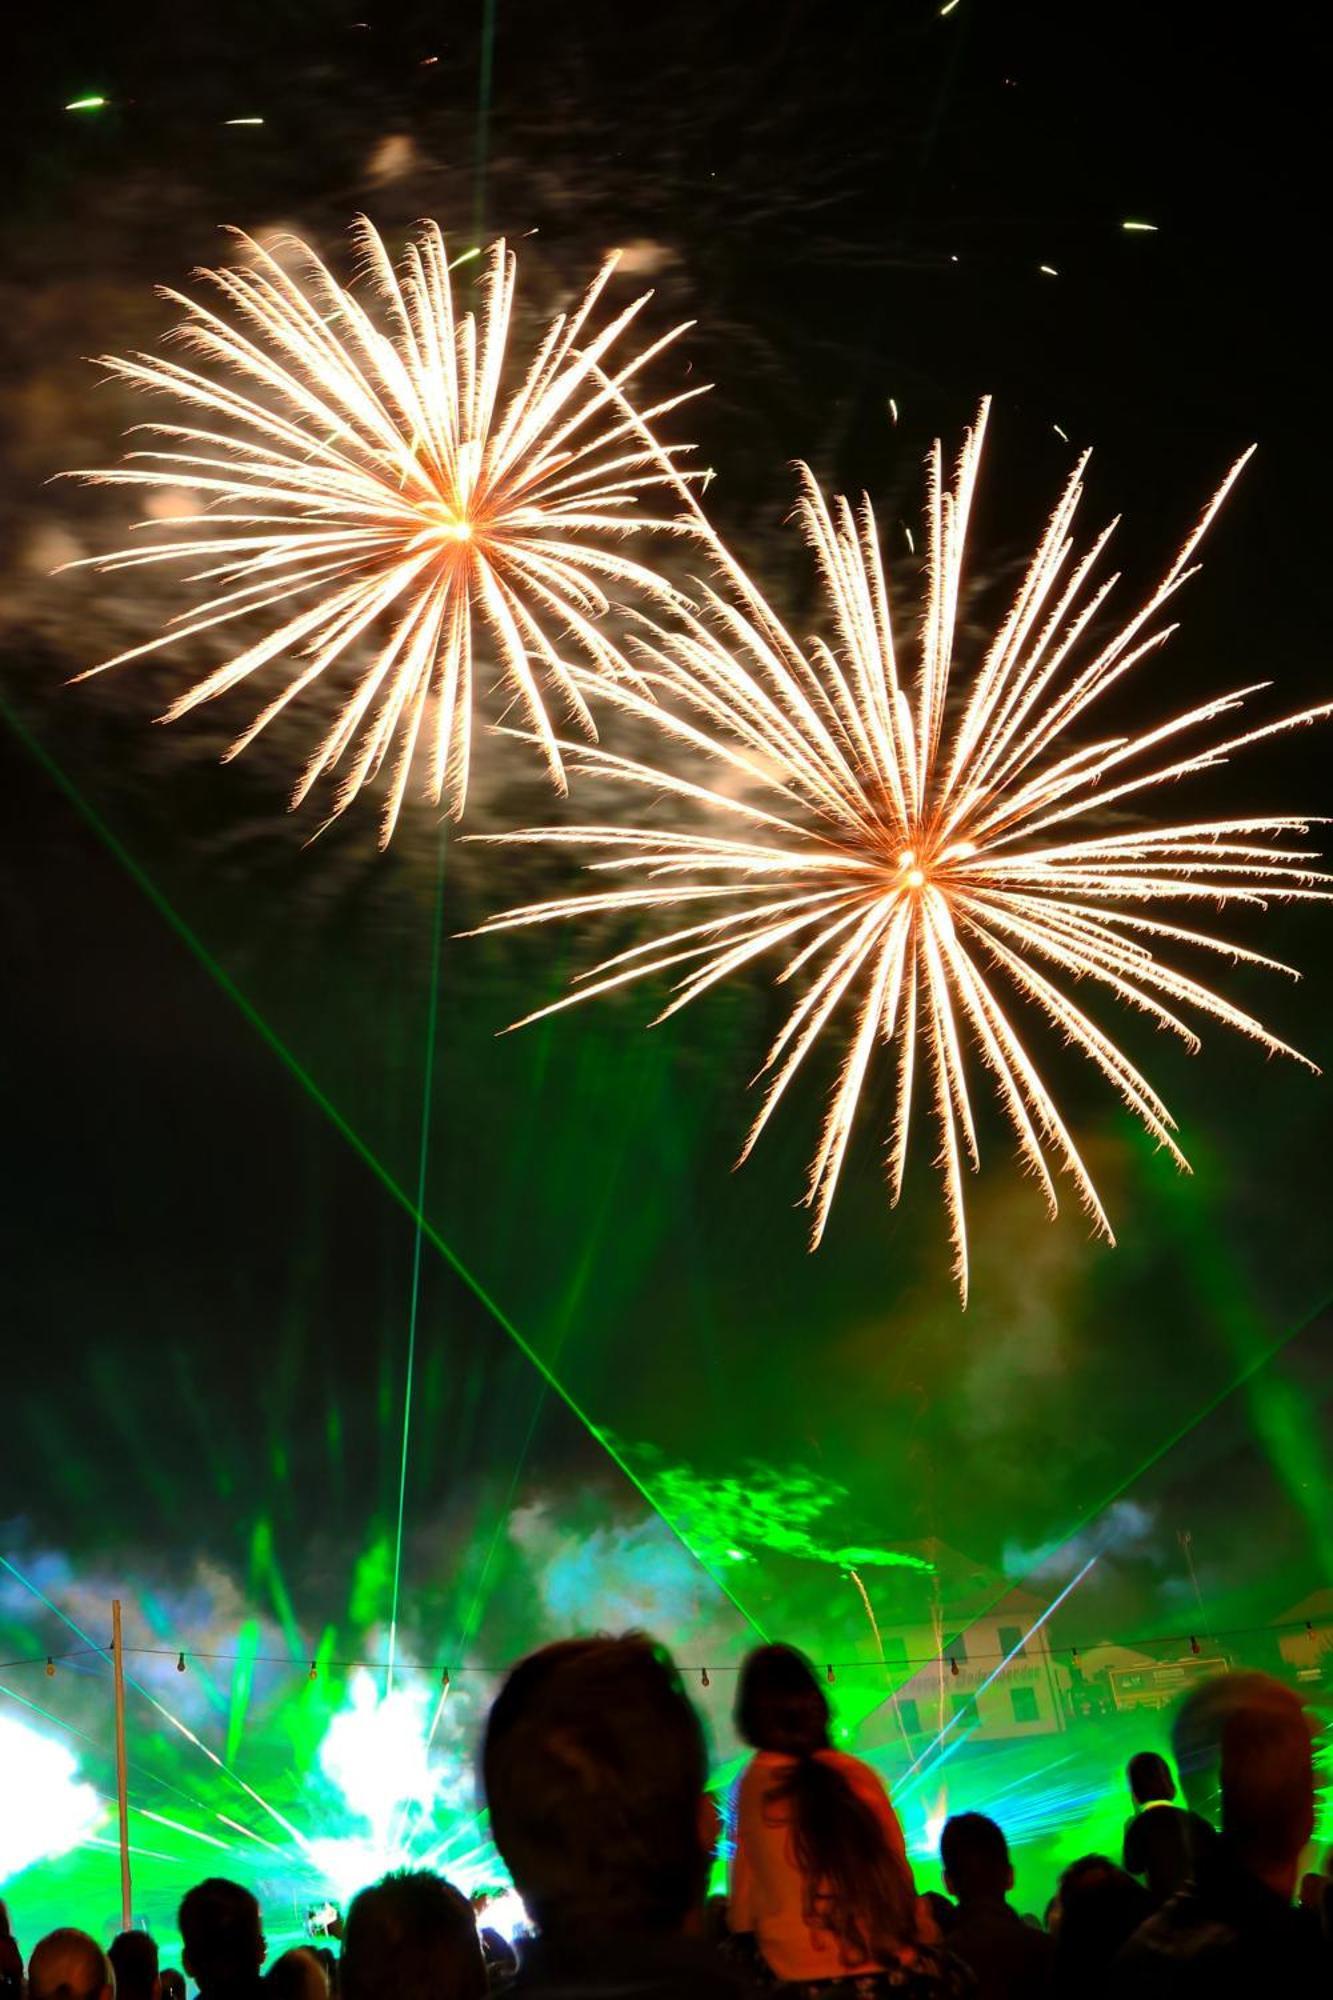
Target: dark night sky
(199,1283)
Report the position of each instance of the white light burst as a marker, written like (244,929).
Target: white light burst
(918,862)
(371,489)
(46,1808)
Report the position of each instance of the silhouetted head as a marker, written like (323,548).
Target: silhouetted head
(943,1912)
(1100,1909)
(780,1704)
(1150,1778)
(594,1769)
(975,1857)
(222,1934)
(1247,1741)
(171,1983)
(298,1975)
(134,1960)
(412,1936)
(70,1965)
(328,1958)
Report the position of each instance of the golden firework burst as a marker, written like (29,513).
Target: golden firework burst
(916,862)
(371,489)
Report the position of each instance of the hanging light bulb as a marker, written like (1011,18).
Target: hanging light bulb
(180,1663)
(953,1666)
(830,1676)
(50,1667)
(1194,1645)
(444,1680)
(704,1678)
(314,1671)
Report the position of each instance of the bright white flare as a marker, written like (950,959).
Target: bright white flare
(911,857)
(364,479)
(46,1808)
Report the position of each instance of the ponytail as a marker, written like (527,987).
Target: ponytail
(855,1885)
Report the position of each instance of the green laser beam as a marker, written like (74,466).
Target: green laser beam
(1191,1423)
(570,1304)
(485,81)
(1281,1419)
(1247,1374)
(107,1754)
(104,1654)
(423,1161)
(296,1070)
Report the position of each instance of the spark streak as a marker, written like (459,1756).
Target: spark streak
(913,851)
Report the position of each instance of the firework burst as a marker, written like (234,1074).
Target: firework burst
(367,486)
(917,863)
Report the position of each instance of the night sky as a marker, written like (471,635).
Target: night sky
(204,1286)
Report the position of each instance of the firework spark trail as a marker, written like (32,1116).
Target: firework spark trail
(855,1577)
(913,856)
(386,472)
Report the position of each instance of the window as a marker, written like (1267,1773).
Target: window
(960,1704)
(1011,1642)
(911,1715)
(1024,1700)
(957,1648)
(894,1650)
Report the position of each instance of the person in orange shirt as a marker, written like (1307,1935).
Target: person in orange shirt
(820,1879)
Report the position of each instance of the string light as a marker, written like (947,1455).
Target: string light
(1159,1642)
(50,1667)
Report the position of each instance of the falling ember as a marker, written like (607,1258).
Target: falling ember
(361,477)
(923,861)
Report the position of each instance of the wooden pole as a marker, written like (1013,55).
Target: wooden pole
(122,1772)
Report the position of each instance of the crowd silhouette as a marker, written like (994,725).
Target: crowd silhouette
(594,1771)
